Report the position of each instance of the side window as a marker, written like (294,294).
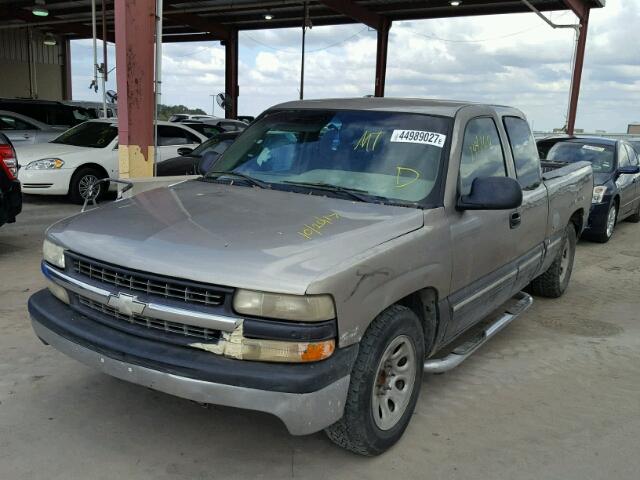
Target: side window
(191,137)
(168,136)
(623,156)
(12,123)
(482,154)
(524,151)
(633,156)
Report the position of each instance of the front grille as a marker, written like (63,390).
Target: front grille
(152,323)
(149,284)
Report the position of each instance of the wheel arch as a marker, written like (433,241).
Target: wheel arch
(424,303)
(577,219)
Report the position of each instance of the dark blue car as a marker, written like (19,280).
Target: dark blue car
(616,178)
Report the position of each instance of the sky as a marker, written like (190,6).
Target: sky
(515,60)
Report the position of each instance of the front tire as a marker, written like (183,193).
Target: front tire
(554,282)
(612,217)
(81,182)
(385,384)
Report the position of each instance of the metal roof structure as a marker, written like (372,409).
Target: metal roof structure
(191,20)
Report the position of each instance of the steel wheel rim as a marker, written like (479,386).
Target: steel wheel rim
(564,259)
(86,185)
(611,221)
(394,383)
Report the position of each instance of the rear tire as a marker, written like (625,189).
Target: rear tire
(81,181)
(554,282)
(635,218)
(385,384)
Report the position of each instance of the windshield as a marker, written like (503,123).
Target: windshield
(89,134)
(209,145)
(395,156)
(600,156)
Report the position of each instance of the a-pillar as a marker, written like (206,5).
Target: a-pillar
(135,32)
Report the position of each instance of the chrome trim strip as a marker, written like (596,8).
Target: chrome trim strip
(154,310)
(302,413)
(484,290)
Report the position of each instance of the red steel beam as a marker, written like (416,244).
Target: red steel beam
(578,7)
(381,57)
(577,73)
(135,32)
(67,79)
(217,30)
(231,74)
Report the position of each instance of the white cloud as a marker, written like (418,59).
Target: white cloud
(508,59)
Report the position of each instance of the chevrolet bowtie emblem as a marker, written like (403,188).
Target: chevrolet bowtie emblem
(126,304)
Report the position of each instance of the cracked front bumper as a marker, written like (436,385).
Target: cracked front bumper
(307,398)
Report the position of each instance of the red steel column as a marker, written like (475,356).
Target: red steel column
(231,74)
(381,56)
(577,73)
(135,36)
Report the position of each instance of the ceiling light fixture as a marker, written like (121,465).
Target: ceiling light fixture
(268,16)
(50,40)
(455,3)
(39,10)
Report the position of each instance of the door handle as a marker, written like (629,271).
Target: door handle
(515,219)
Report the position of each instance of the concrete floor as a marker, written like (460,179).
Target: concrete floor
(554,396)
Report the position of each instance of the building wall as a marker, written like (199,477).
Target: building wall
(47,70)
(634,128)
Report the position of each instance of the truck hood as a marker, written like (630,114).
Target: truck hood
(234,235)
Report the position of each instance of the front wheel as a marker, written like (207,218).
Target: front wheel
(385,384)
(612,217)
(555,280)
(82,184)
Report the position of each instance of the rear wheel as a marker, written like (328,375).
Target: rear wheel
(385,384)
(83,184)
(555,280)
(635,217)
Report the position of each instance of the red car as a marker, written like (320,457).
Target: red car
(10,192)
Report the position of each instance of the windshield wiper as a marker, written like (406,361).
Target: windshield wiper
(253,181)
(354,193)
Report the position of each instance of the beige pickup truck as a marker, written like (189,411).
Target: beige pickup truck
(336,251)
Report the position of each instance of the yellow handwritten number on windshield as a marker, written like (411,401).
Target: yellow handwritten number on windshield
(401,172)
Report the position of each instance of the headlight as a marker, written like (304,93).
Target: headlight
(598,194)
(52,253)
(303,308)
(45,164)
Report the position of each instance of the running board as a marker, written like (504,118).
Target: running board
(519,303)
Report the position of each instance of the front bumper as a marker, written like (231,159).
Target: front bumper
(598,216)
(306,397)
(46,182)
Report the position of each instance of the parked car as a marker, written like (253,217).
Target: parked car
(337,250)
(74,161)
(616,168)
(205,129)
(95,107)
(22,130)
(10,195)
(246,118)
(179,117)
(635,143)
(225,124)
(52,113)
(196,161)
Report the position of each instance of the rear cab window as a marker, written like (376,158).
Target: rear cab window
(524,152)
(482,154)
(601,156)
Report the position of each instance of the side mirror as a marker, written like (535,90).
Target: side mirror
(492,193)
(185,150)
(629,170)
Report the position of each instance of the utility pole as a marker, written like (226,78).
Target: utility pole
(213,105)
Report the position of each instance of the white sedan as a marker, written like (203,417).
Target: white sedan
(72,162)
